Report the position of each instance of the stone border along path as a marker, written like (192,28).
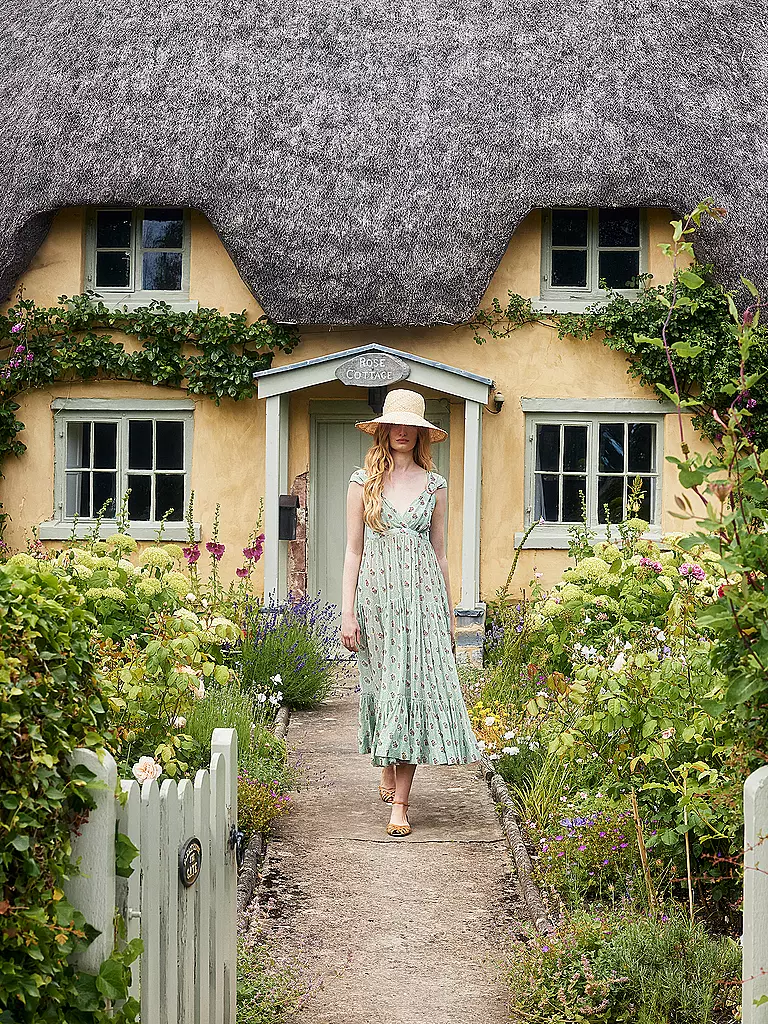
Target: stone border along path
(400,931)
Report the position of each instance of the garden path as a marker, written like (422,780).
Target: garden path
(402,931)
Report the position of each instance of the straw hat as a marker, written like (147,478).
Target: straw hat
(402,405)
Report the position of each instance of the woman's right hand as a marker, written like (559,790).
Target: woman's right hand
(350,631)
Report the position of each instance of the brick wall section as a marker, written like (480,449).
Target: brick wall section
(297,549)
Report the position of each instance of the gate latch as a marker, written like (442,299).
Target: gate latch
(237,843)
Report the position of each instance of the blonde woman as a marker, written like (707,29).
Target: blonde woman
(395,610)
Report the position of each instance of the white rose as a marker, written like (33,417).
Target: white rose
(179,722)
(147,769)
(619,663)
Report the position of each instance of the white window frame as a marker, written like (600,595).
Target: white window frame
(133,297)
(573,299)
(588,413)
(68,410)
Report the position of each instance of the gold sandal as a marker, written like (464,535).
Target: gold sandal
(387,795)
(399,830)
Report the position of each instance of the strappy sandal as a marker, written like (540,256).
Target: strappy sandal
(387,795)
(399,830)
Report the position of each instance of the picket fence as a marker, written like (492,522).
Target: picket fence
(755,931)
(187,972)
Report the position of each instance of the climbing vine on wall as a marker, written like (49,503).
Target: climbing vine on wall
(700,332)
(205,351)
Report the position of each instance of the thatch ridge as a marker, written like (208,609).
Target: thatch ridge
(368,162)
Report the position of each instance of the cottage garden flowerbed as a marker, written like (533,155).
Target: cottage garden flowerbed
(166,655)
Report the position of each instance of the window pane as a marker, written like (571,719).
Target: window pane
(611,452)
(113,269)
(610,492)
(113,229)
(139,500)
(547,503)
(648,499)
(548,446)
(619,227)
(104,490)
(619,268)
(105,445)
(574,450)
(78,501)
(162,229)
(569,268)
(573,488)
(169,493)
(78,445)
(140,444)
(569,227)
(169,439)
(640,447)
(162,271)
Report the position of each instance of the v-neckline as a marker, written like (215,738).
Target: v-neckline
(406,511)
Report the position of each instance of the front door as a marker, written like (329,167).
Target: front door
(337,448)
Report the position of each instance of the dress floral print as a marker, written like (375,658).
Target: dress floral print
(411,705)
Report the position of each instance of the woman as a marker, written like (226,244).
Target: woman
(395,608)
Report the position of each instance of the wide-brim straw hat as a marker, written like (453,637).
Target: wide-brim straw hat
(402,405)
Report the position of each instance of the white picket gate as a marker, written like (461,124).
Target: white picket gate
(755,940)
(187,972)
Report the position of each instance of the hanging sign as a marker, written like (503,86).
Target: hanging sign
(190,861)
(372,370)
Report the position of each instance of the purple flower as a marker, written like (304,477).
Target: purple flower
(649,563)
(692,570)
(242,573)
(16,328)
(191,553)
(217,550)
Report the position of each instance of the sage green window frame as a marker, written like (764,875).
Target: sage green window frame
(555,534)
(133,295)
(117,411)
(590,293)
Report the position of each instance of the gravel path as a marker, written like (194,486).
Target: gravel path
(402,931)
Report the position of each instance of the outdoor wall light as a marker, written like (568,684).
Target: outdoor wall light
(498,401)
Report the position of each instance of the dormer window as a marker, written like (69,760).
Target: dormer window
(582,246)
(134,255)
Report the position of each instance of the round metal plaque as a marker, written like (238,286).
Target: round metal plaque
(371,370)
(190,861)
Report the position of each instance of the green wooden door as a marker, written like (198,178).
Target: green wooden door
(337,448)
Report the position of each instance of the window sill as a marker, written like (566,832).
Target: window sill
(574,304)
(57,529)
(555,539)
(133,302)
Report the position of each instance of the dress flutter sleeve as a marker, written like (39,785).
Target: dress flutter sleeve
(441,481)
(358,477)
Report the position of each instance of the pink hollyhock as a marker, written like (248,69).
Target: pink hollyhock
(242,573)
(217,550)
(191,553)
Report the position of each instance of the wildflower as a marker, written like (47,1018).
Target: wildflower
(215,549)
(509,735)
(16,328)
(489,719)
(276,678)
(147,769)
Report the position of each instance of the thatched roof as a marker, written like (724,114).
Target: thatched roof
(368,162)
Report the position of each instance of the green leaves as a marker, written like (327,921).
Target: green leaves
(690,279)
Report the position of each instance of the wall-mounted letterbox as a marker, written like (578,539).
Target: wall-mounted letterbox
(286,526)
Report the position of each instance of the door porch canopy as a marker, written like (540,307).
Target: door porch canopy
(276,385)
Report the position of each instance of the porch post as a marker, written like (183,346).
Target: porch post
(276,483)
(470,539)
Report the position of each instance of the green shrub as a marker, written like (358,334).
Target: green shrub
(618,966)
(270,987)
(49,704)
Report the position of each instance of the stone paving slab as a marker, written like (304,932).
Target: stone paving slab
(404,931)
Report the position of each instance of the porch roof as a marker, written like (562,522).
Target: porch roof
(451,380)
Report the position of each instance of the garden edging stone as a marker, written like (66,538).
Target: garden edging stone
(531,893)
(248,877)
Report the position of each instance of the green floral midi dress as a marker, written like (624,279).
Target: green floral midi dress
(411,704)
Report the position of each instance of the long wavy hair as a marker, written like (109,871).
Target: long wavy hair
(379,461)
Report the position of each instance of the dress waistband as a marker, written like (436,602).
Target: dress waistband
(395,531)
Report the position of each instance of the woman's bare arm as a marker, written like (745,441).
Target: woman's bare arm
(437,537)
(350,629)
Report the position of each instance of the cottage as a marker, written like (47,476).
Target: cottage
(369,176)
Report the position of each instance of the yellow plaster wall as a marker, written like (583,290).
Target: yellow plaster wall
(228,465)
